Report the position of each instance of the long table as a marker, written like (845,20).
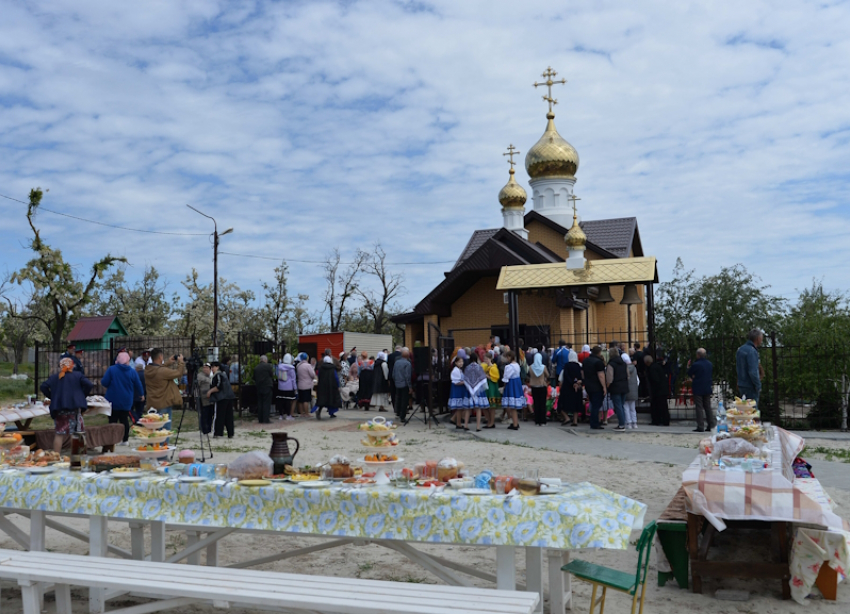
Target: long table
(772,500)
(583,516)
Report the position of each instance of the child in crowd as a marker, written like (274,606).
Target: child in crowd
(513,398)
(476,384)
(493,394)
(459,398)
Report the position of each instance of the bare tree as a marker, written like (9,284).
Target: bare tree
(381,304)
(341,284)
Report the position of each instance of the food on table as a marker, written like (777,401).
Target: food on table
(107,462)
(380,458)
(186,456)
(251,466)
(143,433)
(752,433)
(152,418)
(462,483)
(10,440)
(378,433)
(38,458)
(341,467)
(380,442)
(377,424)
(447,469)
(153,447)
(430,483)
(360,480)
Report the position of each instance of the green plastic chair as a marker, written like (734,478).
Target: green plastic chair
(607,578)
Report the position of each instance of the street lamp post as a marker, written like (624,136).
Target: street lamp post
(215,272)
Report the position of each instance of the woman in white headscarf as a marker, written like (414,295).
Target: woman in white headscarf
(381,383)
(287,390)
(538,379)
(571,401)
(632,395)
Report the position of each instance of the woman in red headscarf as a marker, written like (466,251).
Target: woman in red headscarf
(67,391)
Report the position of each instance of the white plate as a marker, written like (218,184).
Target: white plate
(154,453)
(475,491)
(48,469)
(315,484)
(192,478)
(150,440)
(126,474)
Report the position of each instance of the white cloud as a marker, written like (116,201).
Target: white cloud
(723,128)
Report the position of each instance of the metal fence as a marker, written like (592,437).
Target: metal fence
(803,386)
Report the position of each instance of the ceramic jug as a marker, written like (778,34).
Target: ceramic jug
(280,453)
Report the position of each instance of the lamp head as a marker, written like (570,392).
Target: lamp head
(226,232)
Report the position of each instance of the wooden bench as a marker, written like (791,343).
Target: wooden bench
(177,586)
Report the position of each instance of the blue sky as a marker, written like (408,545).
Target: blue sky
(724,127)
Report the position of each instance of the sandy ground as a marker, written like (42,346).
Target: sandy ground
(653,483)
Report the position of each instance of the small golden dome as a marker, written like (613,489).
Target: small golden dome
(551,156)
(512,196)
(575,237)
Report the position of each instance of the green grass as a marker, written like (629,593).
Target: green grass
(830,454)
(15,391)
(6,369)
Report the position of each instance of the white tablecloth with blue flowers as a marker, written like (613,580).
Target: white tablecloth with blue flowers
(583,516)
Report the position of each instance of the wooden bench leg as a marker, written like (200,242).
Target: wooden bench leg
(98,546)
(30,596)
(137,541)
(780,529)
(212,554)
(693,550)
(505,568)
(534,574)
(192,538)
(157,541)
(38,524)
(560,589)
(63,598)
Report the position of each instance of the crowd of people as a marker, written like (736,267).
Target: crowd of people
(302,386)
(546,385)
(556,384)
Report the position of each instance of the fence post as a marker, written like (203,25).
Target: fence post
(778,411)
(35,372)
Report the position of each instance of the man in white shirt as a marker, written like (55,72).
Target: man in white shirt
(143,360)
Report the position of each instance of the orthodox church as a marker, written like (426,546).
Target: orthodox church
(467,305)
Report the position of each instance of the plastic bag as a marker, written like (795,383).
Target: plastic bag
(734,447)
(251,466)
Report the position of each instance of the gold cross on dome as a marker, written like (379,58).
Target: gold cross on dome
(574,198)
(549,83)
(511,153)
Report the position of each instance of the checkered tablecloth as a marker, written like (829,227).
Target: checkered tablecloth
(770,495)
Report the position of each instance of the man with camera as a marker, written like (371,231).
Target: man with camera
(162,393)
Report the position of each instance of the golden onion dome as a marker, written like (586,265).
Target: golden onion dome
(575,237)
(512,196)
(552,155)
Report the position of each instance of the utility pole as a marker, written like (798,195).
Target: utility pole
(215,272)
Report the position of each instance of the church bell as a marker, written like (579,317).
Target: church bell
(581,293)
(604,295)
(630,295)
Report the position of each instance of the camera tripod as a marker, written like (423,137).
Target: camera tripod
(196,394)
